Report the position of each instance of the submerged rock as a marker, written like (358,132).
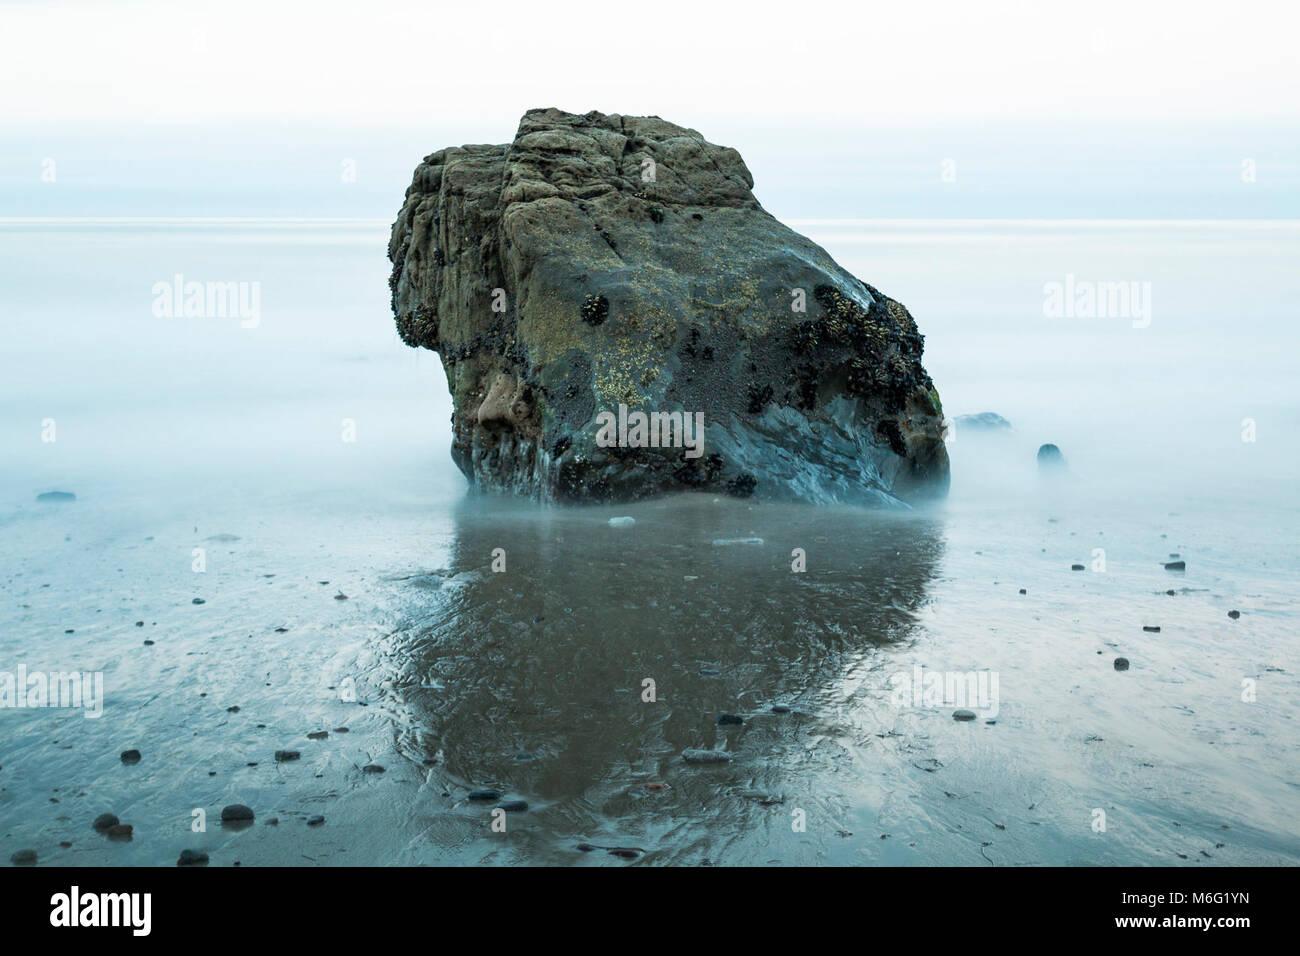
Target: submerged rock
(1050,460)
(56,496)
(982,421)
(600,269)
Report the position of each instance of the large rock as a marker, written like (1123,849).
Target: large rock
(600,261)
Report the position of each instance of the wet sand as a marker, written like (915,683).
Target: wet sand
(454,677)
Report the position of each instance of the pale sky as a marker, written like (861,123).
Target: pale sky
(368,61)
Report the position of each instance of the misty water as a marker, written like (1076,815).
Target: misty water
(290,469)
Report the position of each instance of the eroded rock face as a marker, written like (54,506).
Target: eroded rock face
(600,261)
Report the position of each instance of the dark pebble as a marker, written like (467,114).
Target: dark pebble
(104,821)
(1176,566)
(281,756)
(1150,629)
(23,858)
(233,709)
(315,821)
(340,730)
(120,831)
(513,806)
(586,847)
(192,858)
(148,643)
(1077,567)
(372,768)
(1023,591)
(139,623)
(624,853)
(485,795)
(340,596)
(198,601)
(318,735)
(732,719)
(56,496)
(130,756)
(963,715)
(780,709)
(1234,614)
(236,813)
(1121,663)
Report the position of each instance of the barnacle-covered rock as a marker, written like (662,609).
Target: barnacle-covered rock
(604,265)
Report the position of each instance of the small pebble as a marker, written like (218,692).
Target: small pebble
(192,858)
(372,768)
(1234,614)
(198,601)
(963,715)
(23,858)
(730,719)
(1176,566)
(315,821)
(513,806)
(130,756)
(237,813)
(284,755)
(1121,663)
(485,795)
(104,821)
(1150,629)
(780,709)
(120,831)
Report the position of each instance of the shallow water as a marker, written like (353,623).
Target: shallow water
(178,434)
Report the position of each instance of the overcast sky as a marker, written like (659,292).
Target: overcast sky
(896,62)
